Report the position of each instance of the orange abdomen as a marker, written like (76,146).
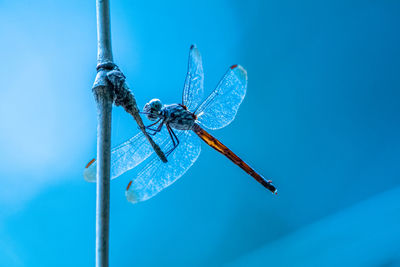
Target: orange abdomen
(221,148)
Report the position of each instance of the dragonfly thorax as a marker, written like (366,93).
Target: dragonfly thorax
(178,116)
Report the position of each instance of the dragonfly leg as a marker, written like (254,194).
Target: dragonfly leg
(175,140)
(154,131)
(149,126)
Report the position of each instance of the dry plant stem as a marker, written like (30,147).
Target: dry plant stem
(106,89)
(104,98)
(104,52)
(104,106)
(133,110)
(125,98)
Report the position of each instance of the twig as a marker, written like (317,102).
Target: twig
(125,98)
(104,99)
(108,87)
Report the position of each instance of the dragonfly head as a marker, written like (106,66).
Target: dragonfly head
(153,109)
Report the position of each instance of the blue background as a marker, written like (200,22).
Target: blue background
(321,117)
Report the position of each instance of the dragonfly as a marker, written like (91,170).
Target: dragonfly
(179,129)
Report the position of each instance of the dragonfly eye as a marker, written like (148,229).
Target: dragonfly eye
(155,104)
(152,109)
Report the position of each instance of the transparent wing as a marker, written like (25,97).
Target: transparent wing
(156,175)
(221,106)
(193,88)
(126,156)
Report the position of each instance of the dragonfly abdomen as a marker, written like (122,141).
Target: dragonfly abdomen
(217,145)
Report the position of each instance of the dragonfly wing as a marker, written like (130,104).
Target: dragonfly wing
(126,156)
(156,175)
(221,106)
(193,88)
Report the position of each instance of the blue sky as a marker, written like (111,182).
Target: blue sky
(321,118)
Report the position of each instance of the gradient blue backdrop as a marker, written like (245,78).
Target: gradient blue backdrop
(321,117)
